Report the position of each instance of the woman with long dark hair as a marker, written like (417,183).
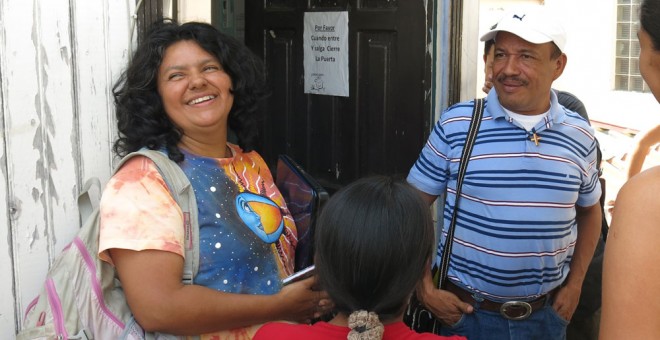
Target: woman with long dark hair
(374,239)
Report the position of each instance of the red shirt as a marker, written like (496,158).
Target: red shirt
(326,331)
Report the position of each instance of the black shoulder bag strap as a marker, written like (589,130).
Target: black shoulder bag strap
(471,137)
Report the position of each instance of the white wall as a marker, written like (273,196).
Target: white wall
(590,71)
(58,60)
(470,52)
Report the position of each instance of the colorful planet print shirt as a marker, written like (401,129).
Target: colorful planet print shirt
(247,236)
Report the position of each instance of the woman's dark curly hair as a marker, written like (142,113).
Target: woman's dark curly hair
(141,118)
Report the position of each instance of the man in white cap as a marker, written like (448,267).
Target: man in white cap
(529,218)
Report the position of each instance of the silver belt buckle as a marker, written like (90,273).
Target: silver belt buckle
(518,306)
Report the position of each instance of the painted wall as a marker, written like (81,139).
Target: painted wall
(58,60)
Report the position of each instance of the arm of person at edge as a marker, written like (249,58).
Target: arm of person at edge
(643,144)
(488,81)
(589,221)
(445,305)
(160,302)
(631,275)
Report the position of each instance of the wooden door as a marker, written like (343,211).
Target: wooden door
(58,62)
(381,127)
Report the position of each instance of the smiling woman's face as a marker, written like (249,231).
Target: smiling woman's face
(649,62)
(194,88)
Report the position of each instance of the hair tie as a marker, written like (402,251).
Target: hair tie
(365,326)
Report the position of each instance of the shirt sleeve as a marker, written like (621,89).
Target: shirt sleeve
(431,170)
(590,190)
(138,211)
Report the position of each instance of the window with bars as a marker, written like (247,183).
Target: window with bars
(626,74)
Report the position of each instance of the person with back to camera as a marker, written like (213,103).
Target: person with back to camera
(631,274)
(184,87)
(374,239)
(530,217)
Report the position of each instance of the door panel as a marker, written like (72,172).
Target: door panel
(375,63)
(381,127)
(280,66)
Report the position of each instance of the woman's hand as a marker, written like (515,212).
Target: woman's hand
(303,303)
(160,302)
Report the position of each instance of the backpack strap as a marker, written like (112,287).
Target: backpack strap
(182,192)
(85,205)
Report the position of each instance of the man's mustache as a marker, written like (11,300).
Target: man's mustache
(517,81)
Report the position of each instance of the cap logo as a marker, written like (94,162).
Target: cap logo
(515,16)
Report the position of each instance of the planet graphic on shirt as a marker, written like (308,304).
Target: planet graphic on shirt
(261,215)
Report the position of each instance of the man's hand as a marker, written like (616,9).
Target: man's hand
(566,301)
(444,305)
(588,224)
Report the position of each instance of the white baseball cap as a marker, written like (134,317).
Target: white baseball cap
(535,25)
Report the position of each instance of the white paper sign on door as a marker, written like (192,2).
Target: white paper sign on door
(325,42)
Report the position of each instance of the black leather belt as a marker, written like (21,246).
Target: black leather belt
(512,310)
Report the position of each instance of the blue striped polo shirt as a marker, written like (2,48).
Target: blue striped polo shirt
(516,228)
